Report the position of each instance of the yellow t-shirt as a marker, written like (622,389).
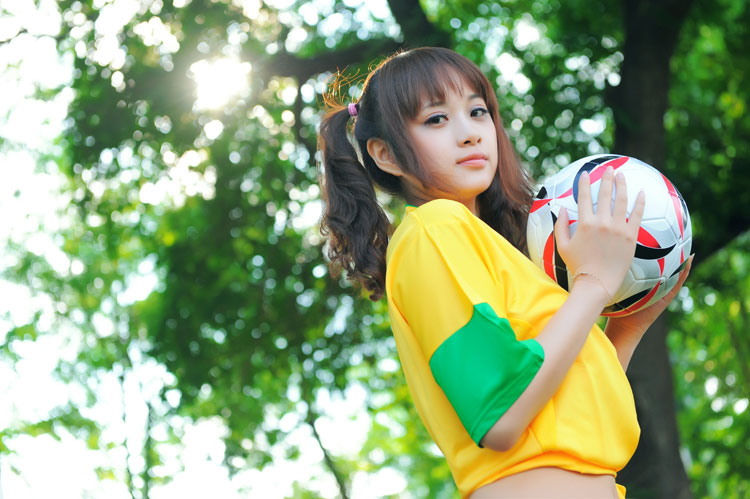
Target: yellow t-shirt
(465,307)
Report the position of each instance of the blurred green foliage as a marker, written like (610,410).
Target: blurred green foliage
(710,348)
(243,315)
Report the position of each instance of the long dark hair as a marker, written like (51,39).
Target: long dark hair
(355,225)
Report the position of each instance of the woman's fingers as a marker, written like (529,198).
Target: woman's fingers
(666,299)
(621,198)
(585,209)
(685,272)
(561,228)
(604,203)
(636,215)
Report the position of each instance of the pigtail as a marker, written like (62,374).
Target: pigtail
(355,225)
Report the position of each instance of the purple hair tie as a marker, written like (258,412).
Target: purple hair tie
(353,108)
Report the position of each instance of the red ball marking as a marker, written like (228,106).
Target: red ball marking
(675,202)
(635,306)
(596,173)
(646,239)
(599,170)
(549,251)
(538,204)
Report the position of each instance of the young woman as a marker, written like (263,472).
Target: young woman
(524,394)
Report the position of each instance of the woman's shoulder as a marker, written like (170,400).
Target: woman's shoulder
(438,213)
(440,210)
(442,222)
(447,225)
(423,219)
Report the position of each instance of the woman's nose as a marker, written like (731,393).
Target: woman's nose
(470,137)
(468,133)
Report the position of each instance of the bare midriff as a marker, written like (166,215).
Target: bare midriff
(549,483)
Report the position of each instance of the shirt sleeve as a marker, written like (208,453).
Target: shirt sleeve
(447,289)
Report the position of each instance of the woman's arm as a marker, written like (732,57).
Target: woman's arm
(562,340)
(599,253)
(626,332)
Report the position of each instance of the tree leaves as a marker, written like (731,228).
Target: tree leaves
(712,378)
(194,228)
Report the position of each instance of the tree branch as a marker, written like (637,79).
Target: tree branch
(416,28)
(310,419)
(286,64)
(13,36)
(740,344)
(128,474)
(148,450)
(705,249)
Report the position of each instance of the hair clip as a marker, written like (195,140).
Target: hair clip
(353,109)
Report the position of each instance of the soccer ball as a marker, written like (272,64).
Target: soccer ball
(664,238)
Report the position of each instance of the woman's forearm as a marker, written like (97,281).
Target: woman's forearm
(601,251)
(562,339)
(624,341)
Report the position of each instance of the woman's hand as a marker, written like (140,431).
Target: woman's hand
(603,245)
(637,323)
(626,332)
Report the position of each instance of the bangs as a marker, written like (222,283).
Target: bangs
(435,74)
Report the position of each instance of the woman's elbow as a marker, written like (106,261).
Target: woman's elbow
(499,439)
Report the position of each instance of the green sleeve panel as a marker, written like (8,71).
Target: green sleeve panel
(482,369)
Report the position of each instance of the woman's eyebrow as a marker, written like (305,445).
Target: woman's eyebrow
(442,102)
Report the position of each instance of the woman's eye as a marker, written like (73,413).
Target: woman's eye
(479,111)
(436,119)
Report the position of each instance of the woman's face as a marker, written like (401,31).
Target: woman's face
(456,142)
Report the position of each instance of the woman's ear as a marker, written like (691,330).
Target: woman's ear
(379,152)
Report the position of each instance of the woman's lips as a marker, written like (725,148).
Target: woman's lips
(473,160)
